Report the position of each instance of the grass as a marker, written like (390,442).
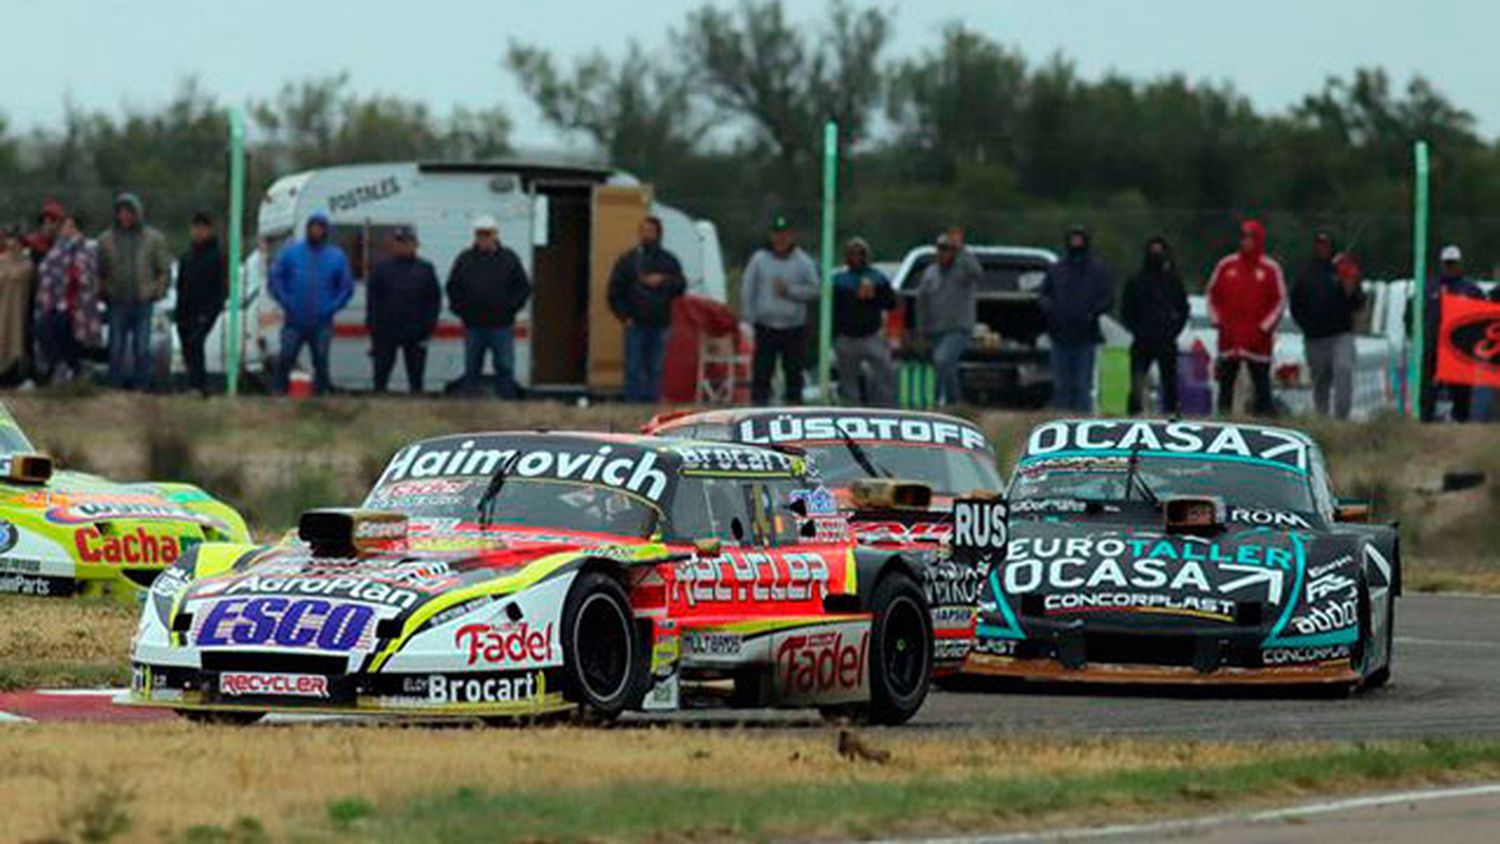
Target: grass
(452,784)
(80,642)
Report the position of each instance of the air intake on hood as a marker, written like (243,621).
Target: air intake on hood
(351,532)
(26,468)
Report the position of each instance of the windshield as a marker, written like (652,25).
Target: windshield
(530,502)
(1262,485)
(949,471)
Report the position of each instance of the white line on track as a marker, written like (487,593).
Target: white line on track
(1186,825)
(1445,643)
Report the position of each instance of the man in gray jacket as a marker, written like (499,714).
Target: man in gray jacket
(135,265)
(774,292)
(945,310)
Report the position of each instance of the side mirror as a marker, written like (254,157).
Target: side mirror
(1352,510)
(798,508)
(710,546)
(808,529)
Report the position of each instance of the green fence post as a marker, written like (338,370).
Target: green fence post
(1415,357)
(235,224)
(825,304)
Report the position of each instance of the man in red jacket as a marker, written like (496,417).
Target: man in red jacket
(1246,297)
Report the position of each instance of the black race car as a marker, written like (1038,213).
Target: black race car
(1186,552)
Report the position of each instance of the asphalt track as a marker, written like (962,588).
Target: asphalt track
(1446,684)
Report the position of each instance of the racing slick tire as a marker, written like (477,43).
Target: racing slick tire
(223,719)
(900,655)
(603,659)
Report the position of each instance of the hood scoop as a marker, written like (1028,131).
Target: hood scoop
(352,532)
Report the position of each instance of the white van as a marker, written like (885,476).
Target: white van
(567,223)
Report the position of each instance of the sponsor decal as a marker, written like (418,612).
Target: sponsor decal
(9,536)
(1071,602)
(137,547)
(950,650)
(1267,445)
(1324,568)
(712,644)
(364,195)
(486,688)
(349,587)
(1327,584)
(1335,615)
(995,647)
(103,511)
(516,643)
(732,458)
(24,565)
(1469,345)
(949,583)
(819,500)
(791,428)
(1048,505)
(1287,656)
(820,663)
(632,469)
(901,533)
(1267,518)
(284,622)
(20,584)
(735,577)
(257,683)
(1177,564)
(980,529)
(953,618)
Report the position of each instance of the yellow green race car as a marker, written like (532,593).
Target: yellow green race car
(65,533)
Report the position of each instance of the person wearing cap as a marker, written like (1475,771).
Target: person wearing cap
(642,286)
(1076,292)
(945,311)
(778,283)
(202,287)
(311,281)
(861,296)
(487,287)
(1325,298)
(135,266)
(17,275)
(1246,298)
(1452,281)
(402,301)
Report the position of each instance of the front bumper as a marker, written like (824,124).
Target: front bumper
(309,689)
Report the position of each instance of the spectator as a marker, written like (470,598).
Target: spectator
(642,286)
(202,287)
(135,267)
(311,282)
(861,296)
(402,302)
(1076,292)
(1450,280)
(1325,299)
(38,244)
(487,287)
(1154,310)
(778,283)
(67,301)
(945,311)
(16,275)
(1246,297)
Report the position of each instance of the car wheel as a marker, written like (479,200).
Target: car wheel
(900,655)
(602,654)
(223,719)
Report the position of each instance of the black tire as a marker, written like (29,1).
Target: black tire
(900,655)
(604,662)
(226,718)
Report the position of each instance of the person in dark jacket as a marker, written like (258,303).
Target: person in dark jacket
(487,287)
(312,282)
(1154,308)
(1450,280)
(1076,292)
(642,286)
(861,296)
(402,301)
(202,286)
(1325,298)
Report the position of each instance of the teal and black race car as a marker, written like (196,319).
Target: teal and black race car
(1186,552)
(64,533)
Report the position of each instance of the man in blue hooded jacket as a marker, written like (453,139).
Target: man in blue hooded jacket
(311,282)
(1077,291)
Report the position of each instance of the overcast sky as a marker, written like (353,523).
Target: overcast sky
(105,53)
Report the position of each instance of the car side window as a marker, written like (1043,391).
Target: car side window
(710,508)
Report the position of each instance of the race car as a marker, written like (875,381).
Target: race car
(64,533)
(506,574)
(895,474)
(1186,552)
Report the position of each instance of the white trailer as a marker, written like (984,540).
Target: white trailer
(567,223)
